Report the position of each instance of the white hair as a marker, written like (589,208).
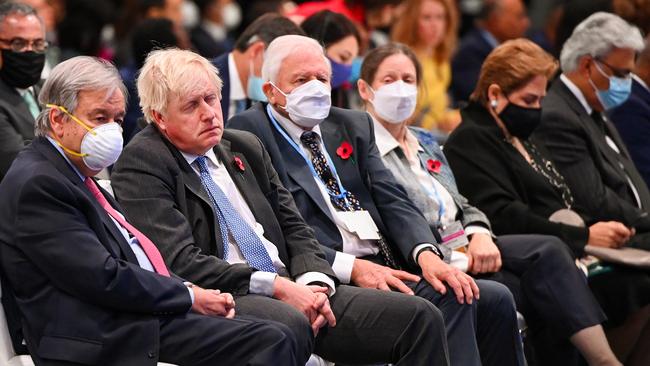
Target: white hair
(284,46)
(596,36)
(68,79)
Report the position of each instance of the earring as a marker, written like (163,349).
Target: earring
(493,103)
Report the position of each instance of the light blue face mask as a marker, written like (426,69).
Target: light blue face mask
(254,88)
(618,92)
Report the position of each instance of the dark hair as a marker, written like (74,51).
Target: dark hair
(375,57)
(266,28)
(372,4)
(328,27)
(151,34)
(203,5)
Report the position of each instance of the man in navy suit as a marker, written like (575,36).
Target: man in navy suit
(90,287)
(499,21)
(241,69)
(632,118)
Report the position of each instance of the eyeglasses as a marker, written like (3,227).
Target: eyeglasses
(21,44)
(619,73)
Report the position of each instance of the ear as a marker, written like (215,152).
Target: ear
(256,49)
(493,93)
(56,118)
(159,120)
(364,90)
(585,63)
(268,90)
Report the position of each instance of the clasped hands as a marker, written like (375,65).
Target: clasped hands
(213,302)
(311,300)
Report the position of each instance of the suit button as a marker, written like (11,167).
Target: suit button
(151,354)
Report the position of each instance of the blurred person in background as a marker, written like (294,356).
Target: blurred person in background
(538,269)
(47,13)
(80,29)
(150,34)
(632,118)
(22,56)
(210,37)
(241,69)
(498,21)
(433,38)
(341,40)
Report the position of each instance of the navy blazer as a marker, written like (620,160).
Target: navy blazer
(632,119)
(83,297)
(221,63)
(466,65)
(363,174)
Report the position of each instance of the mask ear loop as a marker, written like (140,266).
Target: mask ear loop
(90,130)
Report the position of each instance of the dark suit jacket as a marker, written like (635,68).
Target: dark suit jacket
(632,119)
(207,46)
(494,176)
(221,63)
(16,125)
(83,297)
(592,170)
(466,65)
(164,197)
(363,174)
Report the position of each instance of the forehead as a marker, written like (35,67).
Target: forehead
(24,26)
(303,63)
(536,86)
(396,63)
(101,98)
(194,81)
(622,57)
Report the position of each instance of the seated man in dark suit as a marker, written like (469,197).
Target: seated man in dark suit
(240,69)
(632,118)
(90,287)
(363,219)
(212,202)
(22,57)
(585,146)
(499,21)
(210,37)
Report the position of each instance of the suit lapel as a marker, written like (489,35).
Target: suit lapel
(333,136)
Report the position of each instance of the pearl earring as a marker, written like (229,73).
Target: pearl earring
(493,103)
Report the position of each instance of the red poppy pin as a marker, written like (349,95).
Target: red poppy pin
(434,166)
(344,151)
(238,164)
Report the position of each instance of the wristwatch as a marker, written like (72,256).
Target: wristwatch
(434,249)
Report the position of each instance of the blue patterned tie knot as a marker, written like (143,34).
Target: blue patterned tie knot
(230,221)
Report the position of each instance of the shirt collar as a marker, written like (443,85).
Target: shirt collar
(209,154)
(216,31)
(640,81)
(236,89)
(489,38)
(293,130)
(22,91)
(387,143)
(576,92)
(60,150)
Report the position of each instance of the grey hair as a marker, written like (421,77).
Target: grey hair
(11,8)
(284,46)
(596,36)
(69,78)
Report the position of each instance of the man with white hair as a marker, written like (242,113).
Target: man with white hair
(597,61)
(364,221)
(212,202)
(90,287)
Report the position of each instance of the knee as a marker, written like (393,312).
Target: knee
(297,323)
(496,300)
(553,249)
(427,313)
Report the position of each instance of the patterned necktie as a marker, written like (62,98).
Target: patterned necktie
(30,101)
(326,175)
(231,221)
(149,248)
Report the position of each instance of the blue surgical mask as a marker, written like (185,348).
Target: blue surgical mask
(254,88)
(618,92)
(356,70)
(340,73)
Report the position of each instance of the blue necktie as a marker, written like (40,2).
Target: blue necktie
(230,220)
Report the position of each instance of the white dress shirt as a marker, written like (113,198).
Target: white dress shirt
(260,282)
(581,98)
(237,91)
(352,246)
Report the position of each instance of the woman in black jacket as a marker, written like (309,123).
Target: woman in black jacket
(510,179)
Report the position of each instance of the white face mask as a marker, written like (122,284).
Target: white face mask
(231,15)
(395,102)
(100,146)
(309,104)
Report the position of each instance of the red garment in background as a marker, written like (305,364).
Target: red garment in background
(355,13)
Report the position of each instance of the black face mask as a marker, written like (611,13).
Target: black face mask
(521,121)
(21,69)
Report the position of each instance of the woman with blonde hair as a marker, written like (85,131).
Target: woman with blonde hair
(433,38)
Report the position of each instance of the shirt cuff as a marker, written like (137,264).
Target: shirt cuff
(459,260)
(189,288)
(262,283)
(476,229)
(342,266)
(311,277)
(417,249)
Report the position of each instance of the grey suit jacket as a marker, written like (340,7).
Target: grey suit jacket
(16,125)
(163,196)
(593,171)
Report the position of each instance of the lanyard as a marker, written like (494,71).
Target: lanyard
(293,144)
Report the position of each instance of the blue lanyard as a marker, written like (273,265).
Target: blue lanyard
(343,194)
